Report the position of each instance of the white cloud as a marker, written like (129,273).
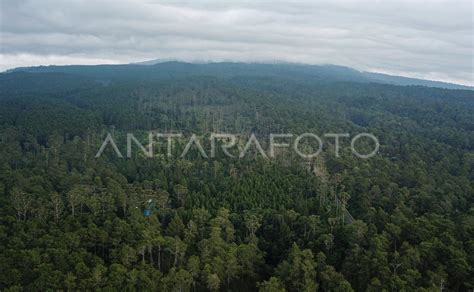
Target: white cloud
(413,38)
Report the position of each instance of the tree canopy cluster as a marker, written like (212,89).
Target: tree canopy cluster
(402,220)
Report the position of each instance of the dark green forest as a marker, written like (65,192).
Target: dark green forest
(402,220)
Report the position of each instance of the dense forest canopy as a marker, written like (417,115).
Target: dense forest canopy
(402,220)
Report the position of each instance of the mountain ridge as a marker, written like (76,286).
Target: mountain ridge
(159,69)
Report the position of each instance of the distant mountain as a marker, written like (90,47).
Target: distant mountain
(400,80)
(152,62)
(155,69)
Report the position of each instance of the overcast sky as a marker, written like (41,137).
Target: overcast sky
(425,39)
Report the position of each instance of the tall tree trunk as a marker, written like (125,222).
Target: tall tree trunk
(159,257)
(150,252)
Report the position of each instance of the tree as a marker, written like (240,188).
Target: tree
(77,196)
(57,205)
(298,272)
(271,285)
(21,202)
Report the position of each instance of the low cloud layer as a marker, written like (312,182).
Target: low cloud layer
(424,39)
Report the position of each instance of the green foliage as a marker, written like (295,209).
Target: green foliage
(71,221)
